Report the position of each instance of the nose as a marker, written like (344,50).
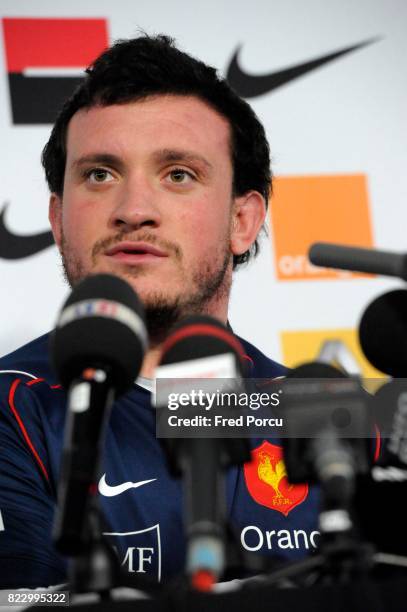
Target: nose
(136,207)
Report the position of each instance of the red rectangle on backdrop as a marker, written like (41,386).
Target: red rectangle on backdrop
(49,43)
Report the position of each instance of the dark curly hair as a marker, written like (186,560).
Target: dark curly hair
(146,66)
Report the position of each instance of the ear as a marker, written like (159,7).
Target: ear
(55,218)
(248,217)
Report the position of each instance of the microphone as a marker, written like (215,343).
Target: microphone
(325,421)
(358,259)
(390,415)
(360,499)
(97,350)
(323,408)
(383,333)
(383,338)
(380,499)
(201,347)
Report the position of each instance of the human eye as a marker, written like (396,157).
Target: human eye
(98,175)
(180,176)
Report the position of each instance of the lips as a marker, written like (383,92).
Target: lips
(135,252)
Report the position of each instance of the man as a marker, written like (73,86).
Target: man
(159,173)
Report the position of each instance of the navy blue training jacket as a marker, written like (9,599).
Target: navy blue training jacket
(144,522)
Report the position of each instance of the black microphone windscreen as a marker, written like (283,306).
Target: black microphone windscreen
(198,337)
(383,333)
(100,325)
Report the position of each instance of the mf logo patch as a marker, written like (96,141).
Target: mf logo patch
(45,61)
(307,209)
(266,480)
(139,551)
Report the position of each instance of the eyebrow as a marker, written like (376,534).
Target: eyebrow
(98,158)
(180,155)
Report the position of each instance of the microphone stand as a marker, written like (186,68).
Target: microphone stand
(97,569)
(78,522)
(202,463)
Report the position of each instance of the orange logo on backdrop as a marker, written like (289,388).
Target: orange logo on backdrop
(317,208)
(266,480)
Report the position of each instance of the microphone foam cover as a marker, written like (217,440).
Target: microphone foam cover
(200,336)
(383,333)
(100,325)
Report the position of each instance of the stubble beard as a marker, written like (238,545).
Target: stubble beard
(209,285)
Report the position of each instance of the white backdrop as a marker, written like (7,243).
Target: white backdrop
(347,117)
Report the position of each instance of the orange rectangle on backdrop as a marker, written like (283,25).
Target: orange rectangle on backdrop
(308,209)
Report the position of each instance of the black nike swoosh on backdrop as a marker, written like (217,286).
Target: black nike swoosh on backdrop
(18,246)
(250,85)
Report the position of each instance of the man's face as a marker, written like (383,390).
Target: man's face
(148,197)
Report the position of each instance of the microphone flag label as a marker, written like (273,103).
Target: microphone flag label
(267,482)
(45,59)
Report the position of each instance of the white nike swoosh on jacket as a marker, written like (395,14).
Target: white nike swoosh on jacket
(111,491)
